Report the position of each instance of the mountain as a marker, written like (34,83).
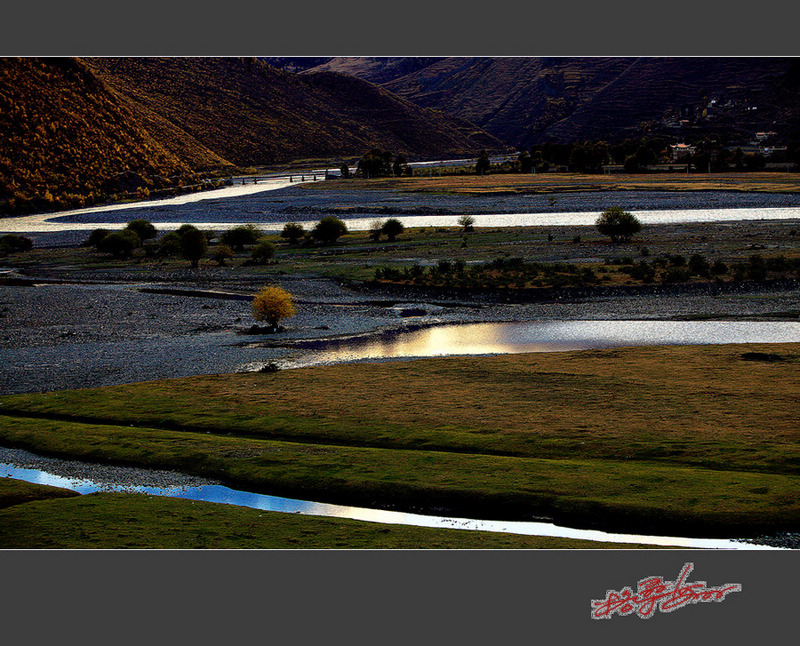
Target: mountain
(66,139)
(530,100)
(78,130)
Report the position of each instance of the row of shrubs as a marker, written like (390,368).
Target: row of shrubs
(191,243)
(679,269)
(517,273)
(503,272)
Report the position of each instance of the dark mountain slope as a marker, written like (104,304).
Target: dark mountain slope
(252,114)
(531,100)
(652,88)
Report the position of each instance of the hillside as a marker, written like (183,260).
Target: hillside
(531,100)
(253,114)
(71,126)
(67,140)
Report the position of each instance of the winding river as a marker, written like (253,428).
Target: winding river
(220,494)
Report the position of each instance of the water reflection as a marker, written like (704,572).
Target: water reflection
(544,336)
(224,495)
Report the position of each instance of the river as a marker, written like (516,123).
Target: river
(46,474)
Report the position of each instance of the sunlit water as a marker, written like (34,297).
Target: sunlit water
(221,494)
(543,336)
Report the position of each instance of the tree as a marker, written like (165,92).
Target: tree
(143,228)
(376,230)
(482,165)
(292,231)
(329,229)
(400,165)
(263,252)
(392,228)
(193,245)
(618,224)
(272,304)
(466,222)
(170,244)
(238,237)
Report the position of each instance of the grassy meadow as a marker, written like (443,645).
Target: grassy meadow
(682,440)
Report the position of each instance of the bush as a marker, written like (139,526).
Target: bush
(293,232)
(719,268)
(675,275)
(263,252)
(120,244)
(756,267)
(329,229)
(238,237)
(169,244)
(95,237)
(699,265)
(376,230)
(221,254)
(143,228)
(11,243)
(619,225)
(272,304)
(393,228)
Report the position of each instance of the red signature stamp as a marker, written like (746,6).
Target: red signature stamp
(654,594)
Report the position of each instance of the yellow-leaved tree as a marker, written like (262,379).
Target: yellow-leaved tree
(272,304)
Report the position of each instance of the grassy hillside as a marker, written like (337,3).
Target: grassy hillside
(68,141)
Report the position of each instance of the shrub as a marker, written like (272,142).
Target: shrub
(756,268)
(263,252)
(329,229)
(393,228)
(221,254)
(11,243)
(376,230)
(169,244)
(272,304)
(239,237)
(120,244)
(719,268)
(699,265)
(292,231)
(143,228)
(675,275)
(95,237)
(677,260)
(619,225)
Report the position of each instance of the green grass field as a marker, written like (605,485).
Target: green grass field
(686,440)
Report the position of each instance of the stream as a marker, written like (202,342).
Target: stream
(56,473)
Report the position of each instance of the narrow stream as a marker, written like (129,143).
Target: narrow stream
(48,474)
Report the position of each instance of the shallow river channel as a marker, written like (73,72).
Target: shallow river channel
(46,474)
